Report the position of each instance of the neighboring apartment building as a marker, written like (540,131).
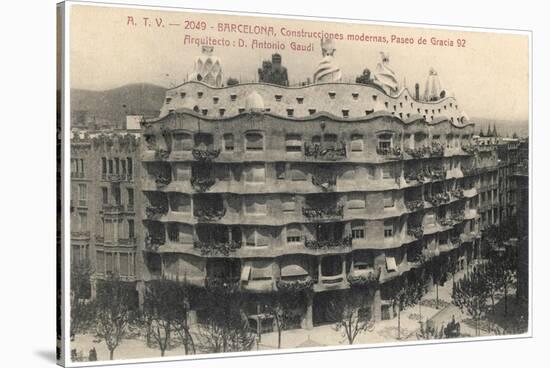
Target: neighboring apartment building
(105,210)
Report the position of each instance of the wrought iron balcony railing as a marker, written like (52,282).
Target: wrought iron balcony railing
(202,184)
(205,154)
(439,198)
(153,212)
(414,205)
(153,242)
(328,244)
(216,248)
(324,181)
(323,213)
(415,231)
(209,214)
(225,285)
(162,181)
(390,152)
(325,151)
(295,286)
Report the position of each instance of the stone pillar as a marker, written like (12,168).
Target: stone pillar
(93,288)
(377,305)
(307,319)
(320,273)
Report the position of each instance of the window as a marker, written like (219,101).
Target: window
(255,173)
(130,192)
(254,142)
(116,195)
(103,166)
(109,264)
(293,233)
(356,143)
(280,169)
(289,204)
(228,142)
(385,141)
(110,166)
(356,201)
(255,238)
(388,200)
(387,172)
(330,140)
(83,221)
(430,219)
(123,166)
(130,167)
(293,143)
(388,229)
(124,264)
(255,206)
(182,171)
(100,260)
(180,202)
(203,140)
(131,229)
(104,195)
(182,142)
(117,165)
(82,193)
(357,230)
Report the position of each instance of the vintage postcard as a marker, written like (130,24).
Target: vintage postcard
(243,184)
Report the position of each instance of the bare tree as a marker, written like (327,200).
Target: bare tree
(470,295)
(404,295)
(115,308)
(226,327)
(347,315)
(82,309)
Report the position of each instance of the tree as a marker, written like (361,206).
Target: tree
(164,303)
(226,327)
(82,309)
(404,295)
(509,273)
(494,272)
(470,295)
(346,313)
(115,308)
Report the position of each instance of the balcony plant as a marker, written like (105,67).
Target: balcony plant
(202,184)
(323,212)
(295,286)
(216,248)
(162,154)
(153,212)
(437,150)
(328,244)
(390,152)
(458,193)
(209,214)
(226,285)
(415,231)
(162,180)
(439,198)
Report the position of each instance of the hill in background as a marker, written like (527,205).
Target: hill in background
(109,108)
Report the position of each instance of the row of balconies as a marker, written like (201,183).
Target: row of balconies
(331,272)
(130,241)
(318,183)
(334,151)
(157,242)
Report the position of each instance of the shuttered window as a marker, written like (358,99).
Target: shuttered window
(254,141)
(388,200)
(356,143)
(356,200)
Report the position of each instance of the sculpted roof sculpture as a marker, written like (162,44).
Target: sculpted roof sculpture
(327,71)
(385,77)
(207,68)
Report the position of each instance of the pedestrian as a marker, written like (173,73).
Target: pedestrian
(92,355)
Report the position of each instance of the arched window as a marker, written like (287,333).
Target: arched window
(254,141)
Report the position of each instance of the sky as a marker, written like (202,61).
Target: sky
(488,72)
